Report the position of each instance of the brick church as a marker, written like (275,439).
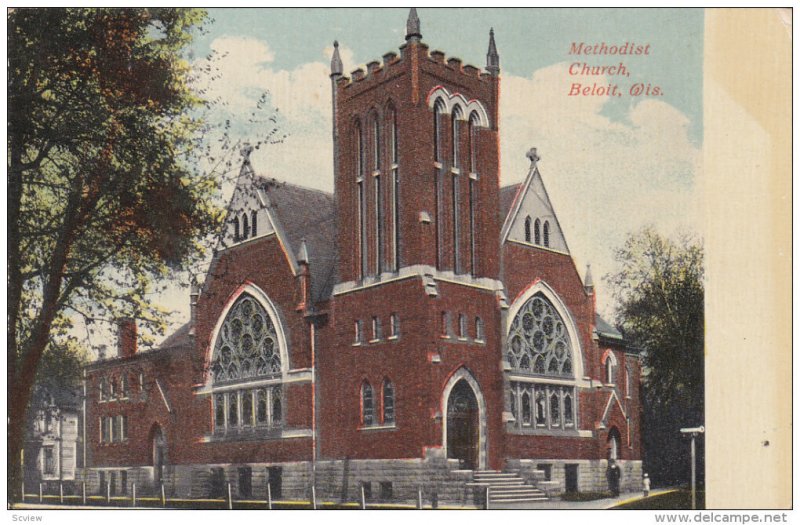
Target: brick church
(420,328)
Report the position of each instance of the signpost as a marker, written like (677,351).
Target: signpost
(694,431)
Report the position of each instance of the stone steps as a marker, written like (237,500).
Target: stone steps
(506,487)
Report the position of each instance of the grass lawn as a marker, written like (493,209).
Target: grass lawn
(678,500)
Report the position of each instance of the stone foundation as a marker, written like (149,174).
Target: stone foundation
(591,474)
(396,480)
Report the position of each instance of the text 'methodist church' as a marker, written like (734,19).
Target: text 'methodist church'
(421,327)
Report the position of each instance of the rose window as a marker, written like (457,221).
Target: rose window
(538,343)
(247,346)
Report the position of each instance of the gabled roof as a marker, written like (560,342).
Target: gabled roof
(606,331)
(305,213)
(530,200)
(507,195)
(180,338)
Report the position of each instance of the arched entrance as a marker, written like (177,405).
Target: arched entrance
(159,453)
(463,426)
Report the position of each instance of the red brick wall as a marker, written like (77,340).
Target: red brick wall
(263,263)
(405,83)
(418,382)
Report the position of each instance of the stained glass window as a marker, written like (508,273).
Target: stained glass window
(261,406)
(219,411)
(388,402)
(568,415)
(247,345)
(538,342)
(526,408)
(367,405)
(247,408)
(233,409)
(277,406)
(541,413)
(555,410)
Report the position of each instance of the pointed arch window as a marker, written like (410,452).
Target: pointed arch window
(569,418)
(376,142)
(539,351)
(526,408)
(455,122)
(367,405)
(539,334)
(537,238)
(245,227)
(474,120)
(438,110)
(395,187)
(254,223)
(527,229)
(388,402)
(361,201)
(546,234)
(235,222)
(247,353)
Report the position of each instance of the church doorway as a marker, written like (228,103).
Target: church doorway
(463,426)
(159,454)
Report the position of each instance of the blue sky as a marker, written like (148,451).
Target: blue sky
(610,165)
(528,39)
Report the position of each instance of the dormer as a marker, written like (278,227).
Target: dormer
(247,216)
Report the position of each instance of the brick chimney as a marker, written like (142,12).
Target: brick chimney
(126,337)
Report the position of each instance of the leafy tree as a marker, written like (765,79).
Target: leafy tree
(101,198)
(659,294)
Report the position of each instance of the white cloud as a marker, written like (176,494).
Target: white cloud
(605,177)
(244,71)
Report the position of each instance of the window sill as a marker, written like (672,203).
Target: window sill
(462,339)
(437,165)
(373,341)
(391,426)
(480,341)
(444,337)
(473,176)
(357,344)
(376,173)
(393,338)
(455,171)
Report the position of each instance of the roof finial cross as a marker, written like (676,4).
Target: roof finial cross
(533,156)
(247,149)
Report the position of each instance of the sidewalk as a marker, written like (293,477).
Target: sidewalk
(597,504)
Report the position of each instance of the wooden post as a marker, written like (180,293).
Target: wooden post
(419,498)
(230,499)
(60,492)
(488,488)
(83,492)
(133,494)
(694,490)
(363,498)
(313,497)
(269,496)
(40,492)
(108,491)
(163,496)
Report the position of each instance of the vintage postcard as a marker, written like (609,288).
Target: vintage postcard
(434,258)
